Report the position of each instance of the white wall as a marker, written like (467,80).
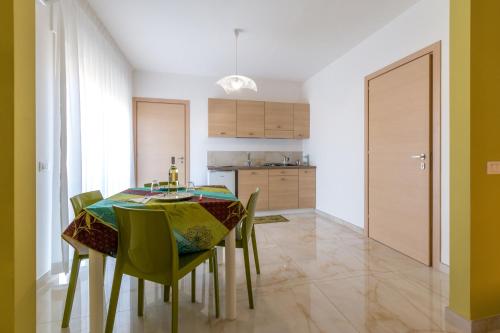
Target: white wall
(336,95)
(197,90)
(44,109)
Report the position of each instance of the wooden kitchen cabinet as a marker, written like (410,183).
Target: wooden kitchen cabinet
(288,188)
(248,181)
(283,172)
(283,192)
(301,120)
(221,117)
(256,119)
(250,117)
(307,188)
(279,120)
(277,134)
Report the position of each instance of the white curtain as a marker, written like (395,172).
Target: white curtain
(94,119)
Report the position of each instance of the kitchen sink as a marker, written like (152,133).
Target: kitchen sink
(279,165)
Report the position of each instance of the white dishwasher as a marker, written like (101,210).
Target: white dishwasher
(226,178)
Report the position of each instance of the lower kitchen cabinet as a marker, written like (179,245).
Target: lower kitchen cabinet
(283,192)
(248,181)
(287,188)
(307,188)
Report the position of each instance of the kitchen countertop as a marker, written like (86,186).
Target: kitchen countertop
(256,167)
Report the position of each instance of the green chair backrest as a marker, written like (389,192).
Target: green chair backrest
(146,244)
(247,227)
(82,200)
(165,183)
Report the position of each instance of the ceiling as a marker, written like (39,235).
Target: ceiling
(283,39)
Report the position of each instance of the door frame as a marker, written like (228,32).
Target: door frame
(434,51)
(186,104)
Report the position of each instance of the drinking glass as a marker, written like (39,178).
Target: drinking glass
(190,187)
(155,185)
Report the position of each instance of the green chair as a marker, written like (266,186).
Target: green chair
(79,202)
(147,249)
(244,231)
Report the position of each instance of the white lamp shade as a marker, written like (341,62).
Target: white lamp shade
(234,83)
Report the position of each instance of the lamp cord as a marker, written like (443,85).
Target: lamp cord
(236,34)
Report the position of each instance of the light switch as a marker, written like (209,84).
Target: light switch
(493,168)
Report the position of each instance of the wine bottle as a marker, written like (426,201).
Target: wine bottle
(173,174)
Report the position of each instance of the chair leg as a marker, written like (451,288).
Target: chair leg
(175,307)
(104,265)
(210,265)
(113,300)
(166,293)
(193,286)
(140,298)
(248,275)
(255,251)
(73,278)
(216,283)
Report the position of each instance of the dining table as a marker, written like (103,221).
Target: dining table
(208,215)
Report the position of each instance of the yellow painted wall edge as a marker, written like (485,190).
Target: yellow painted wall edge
(475,126)
(460,157)
(485,146)
(17,167)
(7,154)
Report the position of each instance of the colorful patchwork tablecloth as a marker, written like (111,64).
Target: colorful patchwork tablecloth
(199,223)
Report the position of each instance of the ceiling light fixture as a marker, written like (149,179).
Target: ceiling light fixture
(232,83)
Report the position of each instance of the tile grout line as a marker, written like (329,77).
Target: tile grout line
(335,306)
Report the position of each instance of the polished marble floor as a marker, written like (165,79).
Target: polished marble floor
(316,276)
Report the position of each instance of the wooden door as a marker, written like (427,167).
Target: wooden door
(399,141)
(221,117)
(278,120)
(250,119)
(248,181)
(161,131)
(307,188)
(301,121)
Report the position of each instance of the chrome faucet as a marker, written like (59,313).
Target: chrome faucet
(249,160)
(286,159)
(306,158)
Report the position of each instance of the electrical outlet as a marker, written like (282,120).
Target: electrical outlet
(42,166)
(493,168)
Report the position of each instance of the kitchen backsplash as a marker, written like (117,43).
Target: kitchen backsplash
(230,158)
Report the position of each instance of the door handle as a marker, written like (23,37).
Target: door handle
(420,157)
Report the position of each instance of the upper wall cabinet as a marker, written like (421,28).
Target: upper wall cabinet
(279,120)
(301,121)
(221,117)
(250,119)
(255,119)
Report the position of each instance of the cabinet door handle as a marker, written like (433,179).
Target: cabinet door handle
(279,126)
(283,179)
(251,133)
(254,173)
(223,133)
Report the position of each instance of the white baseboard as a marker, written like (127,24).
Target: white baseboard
(285,212)
(440,267)
(43,280)
(340,221)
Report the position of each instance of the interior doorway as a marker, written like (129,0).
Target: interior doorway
(402,155)
(161,131)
